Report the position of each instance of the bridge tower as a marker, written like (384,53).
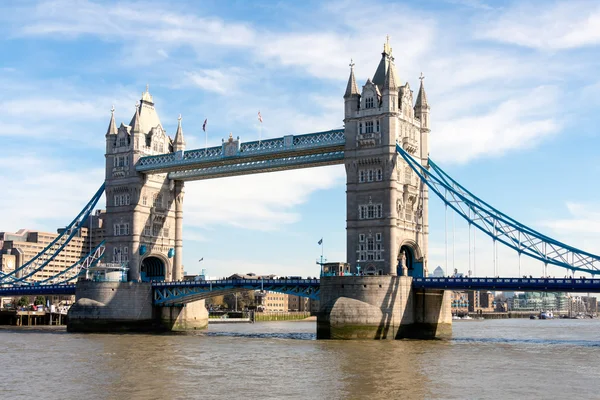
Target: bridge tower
(386,219)
(143,212)
(144,227)
(387,226)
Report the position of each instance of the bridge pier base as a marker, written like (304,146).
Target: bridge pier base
(127,306)
(381,307)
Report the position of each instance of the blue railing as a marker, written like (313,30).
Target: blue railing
(582,285)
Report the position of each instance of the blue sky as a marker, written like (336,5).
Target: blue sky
(513,87)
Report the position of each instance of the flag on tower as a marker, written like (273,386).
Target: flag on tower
(204,125)
(321,241)
(260,117)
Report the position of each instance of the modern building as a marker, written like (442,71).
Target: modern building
(534,301)
(20,247)
(480,301)
(438,272)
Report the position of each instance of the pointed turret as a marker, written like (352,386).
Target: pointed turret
(112,127)
(351,88)
(179,142)
(421,97)
(391,81)
(352,95)
(135,121)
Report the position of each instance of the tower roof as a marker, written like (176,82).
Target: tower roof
(147,118)
(112,127)
(351,88)
(179,142)
(382,68)
(421,97)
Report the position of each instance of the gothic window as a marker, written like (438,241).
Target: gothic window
(116,203)
(371,175)
(370,244)
(369,102)
(408,212)
(369,127)
(121,161)
(363,212)
(378,237)
(370,211)
(379,174)
(377,128)
(144,200)
(122,142)
(361,237)
(158,200)
(360,128)
(361,176)
(127,199)
(115,161)
(147,230)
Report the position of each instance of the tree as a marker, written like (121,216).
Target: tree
(39,301)
(23,302)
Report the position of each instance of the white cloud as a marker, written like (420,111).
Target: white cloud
(562,25)
(261,202)
(44,193)
(520,122)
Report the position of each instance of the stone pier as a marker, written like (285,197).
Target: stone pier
(381,307)
(127,306)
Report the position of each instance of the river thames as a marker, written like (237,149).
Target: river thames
(491,359)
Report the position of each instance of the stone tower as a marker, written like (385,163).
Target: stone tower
(387,225)
(144,213)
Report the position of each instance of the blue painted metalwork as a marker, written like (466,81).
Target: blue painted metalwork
(66,289)
(498,225)
(253,167)
(583,285)
(177,293)
(277,148)
(49,253)
(73,272)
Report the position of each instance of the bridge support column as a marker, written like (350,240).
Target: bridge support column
(381,307)
(190,316)
(127,306)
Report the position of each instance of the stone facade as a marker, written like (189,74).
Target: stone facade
(144,216)
(387,223)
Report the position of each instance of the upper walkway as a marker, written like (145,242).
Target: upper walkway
(234,158)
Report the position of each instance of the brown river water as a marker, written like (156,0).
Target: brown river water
(492,359)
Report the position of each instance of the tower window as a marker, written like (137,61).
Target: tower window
(361,237)
(369,127)
(369,102)
(361,175)
(379,174)
(122,142)
(378,237)
(377,129)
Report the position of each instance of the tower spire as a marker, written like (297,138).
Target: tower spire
(135,126)
(421,97)
(179,142)
(351,88)
(112,127)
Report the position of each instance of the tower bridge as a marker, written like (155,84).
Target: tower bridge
(384,147)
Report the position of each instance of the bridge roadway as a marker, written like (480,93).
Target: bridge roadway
(176,293)
(582,285)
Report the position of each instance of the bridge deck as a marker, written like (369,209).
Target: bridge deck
(511,284)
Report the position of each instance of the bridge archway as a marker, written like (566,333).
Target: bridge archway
(153,268)
(410,254)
